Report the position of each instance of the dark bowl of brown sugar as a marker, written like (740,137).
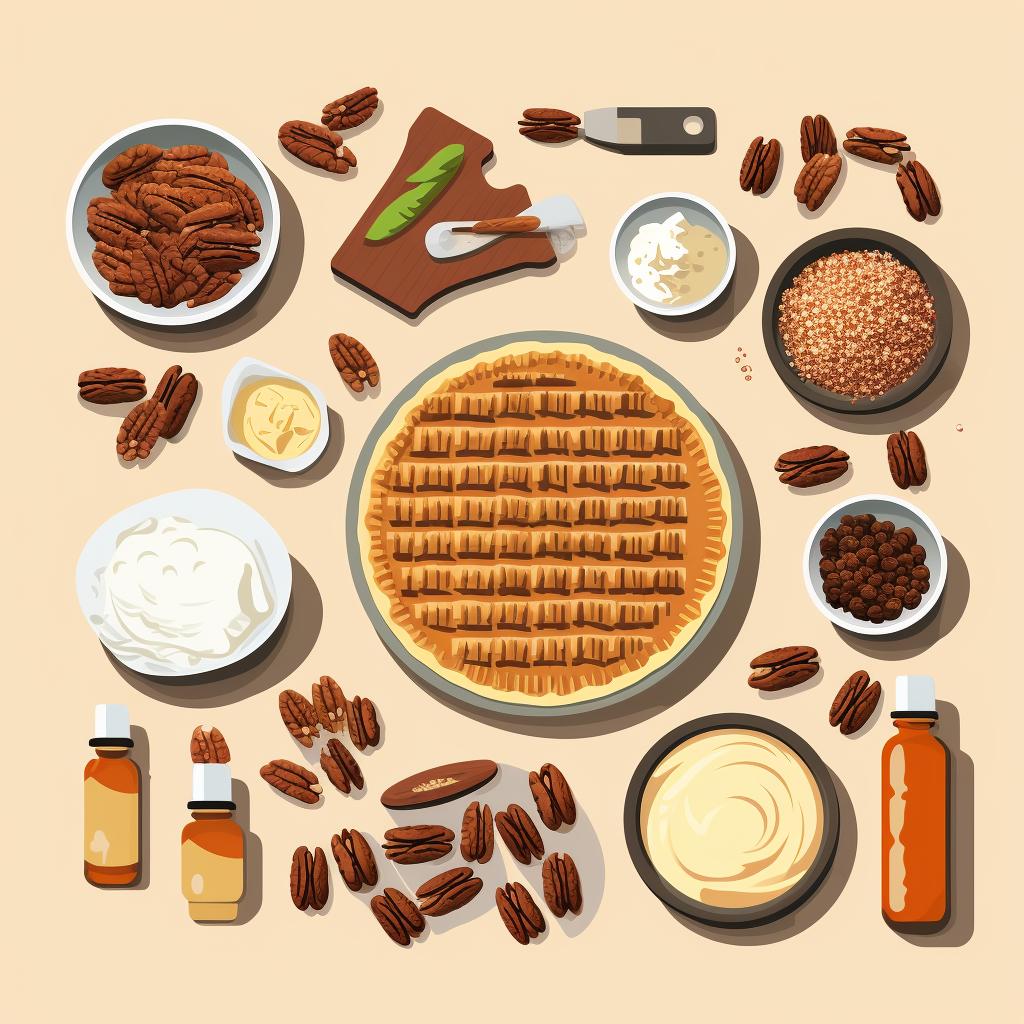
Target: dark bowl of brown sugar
(852,348)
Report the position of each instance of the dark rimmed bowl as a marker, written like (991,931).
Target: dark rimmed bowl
(844,240)
(732,917)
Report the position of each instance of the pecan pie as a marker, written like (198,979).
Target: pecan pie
(543,525)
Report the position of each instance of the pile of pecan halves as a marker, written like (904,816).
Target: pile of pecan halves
(178,226)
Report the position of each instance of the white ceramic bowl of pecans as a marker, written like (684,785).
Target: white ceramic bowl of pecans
(875,565)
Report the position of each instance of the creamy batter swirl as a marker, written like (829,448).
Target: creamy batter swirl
(732,818)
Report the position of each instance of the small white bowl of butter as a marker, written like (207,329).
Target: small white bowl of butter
(672,254)
(273,417)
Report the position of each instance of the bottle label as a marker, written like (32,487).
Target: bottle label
(111,826)
(210,877)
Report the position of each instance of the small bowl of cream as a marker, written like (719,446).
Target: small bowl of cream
(273,417)
(672,254)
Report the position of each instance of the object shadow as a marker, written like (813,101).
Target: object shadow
(709,322)
(252,315)
(814,908)
(931,398)
(274,662)
(327,461)
(958,926)
(678,683)
(920,637)
(141,757)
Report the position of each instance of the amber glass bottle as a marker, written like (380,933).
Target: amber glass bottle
(212,848)
(112,802)
(915,810)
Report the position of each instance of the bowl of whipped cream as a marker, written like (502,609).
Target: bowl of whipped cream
(184,583)
(672,254)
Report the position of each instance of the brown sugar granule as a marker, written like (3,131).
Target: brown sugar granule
(857,323)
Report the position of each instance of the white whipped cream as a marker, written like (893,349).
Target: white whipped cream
(675,262)
(176,593)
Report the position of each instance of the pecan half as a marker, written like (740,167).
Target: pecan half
(549,124)
(817,179)
(353,362)
(907,462)
(417,844)
(553,797)
(222,180)
(760,165)
(177,391)
(854,703)
(808,467)
(351,110)
(114,265)
(477,833)
(398,916)
(140,430)
(521,837)
(310,879)
(448,891)
(149,276)
(816,136)
(298,716)
(550,115)
(113,221)
(130,162)
(293,780)
(317,145)
(219,247)
(341,767)
(919,191)
(361,718)
(208,746)
(355,859)
(563,892)
(878,144)
(108,385)
(521,916)
(329,704)
(783,667)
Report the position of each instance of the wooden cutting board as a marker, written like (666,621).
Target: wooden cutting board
(398,270)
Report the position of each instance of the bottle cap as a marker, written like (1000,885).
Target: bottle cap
(211,787)
(915,695)
(112,726)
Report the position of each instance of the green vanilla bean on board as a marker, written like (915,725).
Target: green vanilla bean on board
(429,181)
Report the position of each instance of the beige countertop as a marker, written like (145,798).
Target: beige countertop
(73,80)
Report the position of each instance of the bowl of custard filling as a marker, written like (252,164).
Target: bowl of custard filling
(732,820)
(273,417)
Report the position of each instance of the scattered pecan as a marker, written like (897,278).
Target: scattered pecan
(878,144)
(361,718)
(760,165)
(919,191)
(477,833)
(108,385)
(293,780)
(549,124)
(417,844)
(298,716)
(341,767)
(554,799)
(516,827)
(355,859)
(808,467)
(854,703)
(316,145)
(783,667)
(398,916)
(351,110)
(310,879)
(817,179)
(329,704)
(208,746)
(140,430)
(353,362)
(177,392)
(521,916)
(906,459)
(131,162)
(448,891)
(816,136)
(562,889)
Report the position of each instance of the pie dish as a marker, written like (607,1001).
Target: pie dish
(542,525)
